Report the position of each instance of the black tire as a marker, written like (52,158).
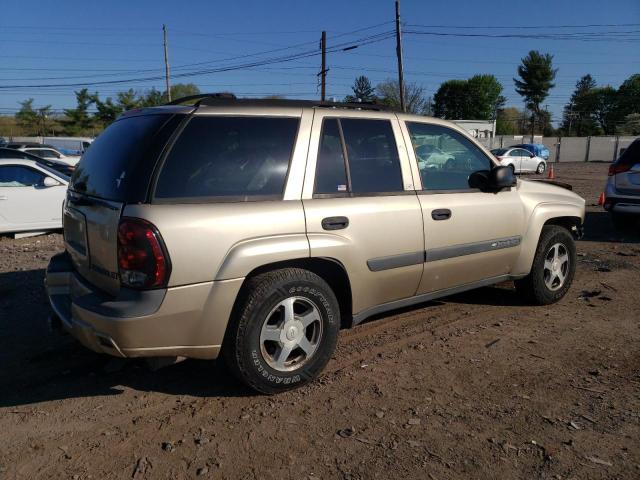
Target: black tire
(541,168)
(246,354)
(533,287)
(513,168)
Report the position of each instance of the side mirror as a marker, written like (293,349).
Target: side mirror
(502,177)
(531,155)
(50,182)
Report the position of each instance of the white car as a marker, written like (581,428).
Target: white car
(520,160)
(31,196)
(430,156)
(50,153)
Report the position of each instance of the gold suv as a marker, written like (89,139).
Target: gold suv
(258,228)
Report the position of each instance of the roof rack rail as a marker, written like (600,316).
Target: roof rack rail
(199,97)
(230,100)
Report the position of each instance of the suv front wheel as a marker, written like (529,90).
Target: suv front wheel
(553,269)
(284,330)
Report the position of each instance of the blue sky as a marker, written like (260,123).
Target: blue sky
(68,41)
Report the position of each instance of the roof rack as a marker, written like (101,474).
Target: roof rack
(201,96)
(229,99)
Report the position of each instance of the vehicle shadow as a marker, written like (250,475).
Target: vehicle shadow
(598,227)
(40,365)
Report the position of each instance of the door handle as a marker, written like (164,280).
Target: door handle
(441,214)
(335,223)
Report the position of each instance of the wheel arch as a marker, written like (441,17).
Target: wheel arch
(561,214)
(330,270)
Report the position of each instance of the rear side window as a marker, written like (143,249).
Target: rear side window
(107,169)
(631,155)
(372,163)
(235,158)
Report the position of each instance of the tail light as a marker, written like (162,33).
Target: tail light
(142,257)
(616,168)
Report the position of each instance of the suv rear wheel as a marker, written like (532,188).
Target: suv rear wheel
(284,330)
(554,266)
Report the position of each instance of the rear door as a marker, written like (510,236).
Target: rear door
(516,158)
(360,206)
(470,235)
(116,170)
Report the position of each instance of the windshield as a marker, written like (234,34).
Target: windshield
(499,151)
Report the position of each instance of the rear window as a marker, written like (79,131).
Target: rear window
(631,155)
(233,158)
(111,164)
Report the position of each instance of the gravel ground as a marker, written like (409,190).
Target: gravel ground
(476,385)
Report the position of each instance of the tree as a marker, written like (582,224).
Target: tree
(27,117)
(389,94)
(44,113)
(478,98)
(631,125)
(629,96)
(77,121)
(107,111)
(180,90)
(363,91)
(536,79)
(153,98)
(577,117)
(605,108)
(485,97)
(509,121)
(451,99)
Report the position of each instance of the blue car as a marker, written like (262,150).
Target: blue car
(538,149)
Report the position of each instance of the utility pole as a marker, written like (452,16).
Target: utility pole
(399,54)
(323,71)
(166,62)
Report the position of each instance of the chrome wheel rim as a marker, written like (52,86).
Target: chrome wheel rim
(556,266)
(291,334)
(541,168)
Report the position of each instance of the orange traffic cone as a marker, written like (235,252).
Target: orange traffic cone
(601,199)
(552,174)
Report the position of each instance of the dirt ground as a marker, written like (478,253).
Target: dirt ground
(477,385)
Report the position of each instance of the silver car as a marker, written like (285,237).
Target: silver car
(520,160)
(622,190)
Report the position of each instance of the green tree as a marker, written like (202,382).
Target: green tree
(44,114)
(631,125)
(629,96)
(451,100)
(363,91)
(77,120)
(605,108)
(577,117)
(536,79)
(107,111)
(153,98)
(485,97)
(27,117)
(478,98)
(180,90)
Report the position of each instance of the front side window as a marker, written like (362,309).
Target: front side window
(372,164)
(19,176)
(234,157)
(445,157)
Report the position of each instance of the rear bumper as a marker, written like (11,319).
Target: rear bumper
(187,321)
(622,204)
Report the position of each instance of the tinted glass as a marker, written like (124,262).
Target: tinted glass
(228,157)
(499,152)
(458,157)
(515,153)
(374,165)
(19,176)
(331,176)
(631,155)
(107,167)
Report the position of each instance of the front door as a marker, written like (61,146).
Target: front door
(470,235)
(360,205)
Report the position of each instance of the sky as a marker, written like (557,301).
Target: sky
(67,44)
